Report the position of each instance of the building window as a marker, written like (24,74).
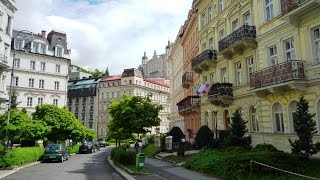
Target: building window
(235,25)
(247,18)
(269,14)
(16,81)
(43,49)
(42,66)
(56,85)
(204,79)
(40,101)
(35,47)
(250,66)
(29,101)
(254,119)
(41,84)
(59,52)
(16,63)
(238,74)
(107,95)
(57,68)
(203,20)
(211,78)
(18,44)
(206,118)
(210,14)
(292,113)
(221,6)
(55,102)
(278,118)
(272,56)
(290,52)
(316,45)
(112,95)
(204,46)
(211,43)
(224,74)
(31,82)
(8,28)
(32,65)
(221,34)
(130,81)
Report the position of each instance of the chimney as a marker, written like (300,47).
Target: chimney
(43,34)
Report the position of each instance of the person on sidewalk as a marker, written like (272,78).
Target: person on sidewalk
(136,147)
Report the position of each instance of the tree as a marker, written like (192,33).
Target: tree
(305,128)
(96,73)
(133,114)
(14,102)
(203,137)
(176,134)
(106,73)
(237,131)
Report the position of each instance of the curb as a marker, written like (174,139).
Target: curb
(17,169)
(119,170)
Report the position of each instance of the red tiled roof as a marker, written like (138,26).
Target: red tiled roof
(156,82)
(111,78)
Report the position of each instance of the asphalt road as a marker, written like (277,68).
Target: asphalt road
(78,167)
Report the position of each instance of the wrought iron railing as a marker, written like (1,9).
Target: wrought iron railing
(244,32)
(187,77)
(220,89)
(290,70)
(188,102)
(289,5)
(208,54)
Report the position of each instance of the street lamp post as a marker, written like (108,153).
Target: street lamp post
(27,48)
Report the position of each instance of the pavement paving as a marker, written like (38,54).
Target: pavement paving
(78,167)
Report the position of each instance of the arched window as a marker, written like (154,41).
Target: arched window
(278,118)
(254,119)
(292,110)
(206,118)
(102,95)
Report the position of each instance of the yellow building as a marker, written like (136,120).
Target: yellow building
(261,56)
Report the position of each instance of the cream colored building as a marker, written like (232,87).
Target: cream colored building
(132,83)
(176,89)
(266,55)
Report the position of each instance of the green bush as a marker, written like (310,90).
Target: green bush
(265,147)
(73,148)
(203,137)
(151,150)
(151,139)
(176,134)
(1,148)
(20,156)
(120,155)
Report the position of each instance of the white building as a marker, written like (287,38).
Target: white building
(40,76)
(7,10)
(76,73)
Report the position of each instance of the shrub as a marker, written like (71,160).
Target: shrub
(215,143)
(73,148)
(151,150)
(151,139)
(1,148)
(120,155)
(20,156)
(203,137)
(176,134)
(265,147)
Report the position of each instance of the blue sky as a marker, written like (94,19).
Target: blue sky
(106,33)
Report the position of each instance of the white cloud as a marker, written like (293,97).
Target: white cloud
(111,33)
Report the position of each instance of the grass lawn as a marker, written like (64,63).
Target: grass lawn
(151,150)
(134,169)
(175,159)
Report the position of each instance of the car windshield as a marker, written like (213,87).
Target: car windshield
(53,147)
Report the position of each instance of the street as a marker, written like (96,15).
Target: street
(78,167)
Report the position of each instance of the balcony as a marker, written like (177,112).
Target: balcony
(293,10)
(280,78)
(238,41)
(187,79)
(3,62)
(221,94)
(204,60)
(189,105)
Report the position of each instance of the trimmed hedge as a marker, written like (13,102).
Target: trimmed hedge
(120,155)
(20,156)
(73,148)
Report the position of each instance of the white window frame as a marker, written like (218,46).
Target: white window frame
(29,101)
(16,63)
(32,65)
(291,110)
(289,49)
(246,20)
(204,46)
(254,119)
(41,84)
(59,51)
(221,34)
(31,82)
(221,6)
(272,55)
(35,47)
(268,10)
(40,100)
(238,73)
(15,81)
(58,68)
(210,14)
(211,45)
(315,43)
(18,44)
(278,116)
(42,66)
(55,102)
(56,85)
(203,20)
(250,65)
(211,78)
(224,74)
(43,48)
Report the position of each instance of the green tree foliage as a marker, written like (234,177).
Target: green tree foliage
(176,134)
(203,137)
(305,128)
(132,114)
(97,73)
(237,131)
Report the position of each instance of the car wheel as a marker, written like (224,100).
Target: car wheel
(62,159)
(91,151)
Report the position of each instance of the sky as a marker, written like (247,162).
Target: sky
(106,33)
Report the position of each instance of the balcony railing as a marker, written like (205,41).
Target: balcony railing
(188,103)
(187,79)
(287,71)
(244,32)
(208,54)
(289,5)
(221,94)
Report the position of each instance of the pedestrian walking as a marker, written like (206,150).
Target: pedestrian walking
(136,147)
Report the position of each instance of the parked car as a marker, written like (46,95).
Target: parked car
(87,147)
(102,143)
(55,152)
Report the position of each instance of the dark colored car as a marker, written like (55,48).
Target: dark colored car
(87,147)
(102,143)
(56,152)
